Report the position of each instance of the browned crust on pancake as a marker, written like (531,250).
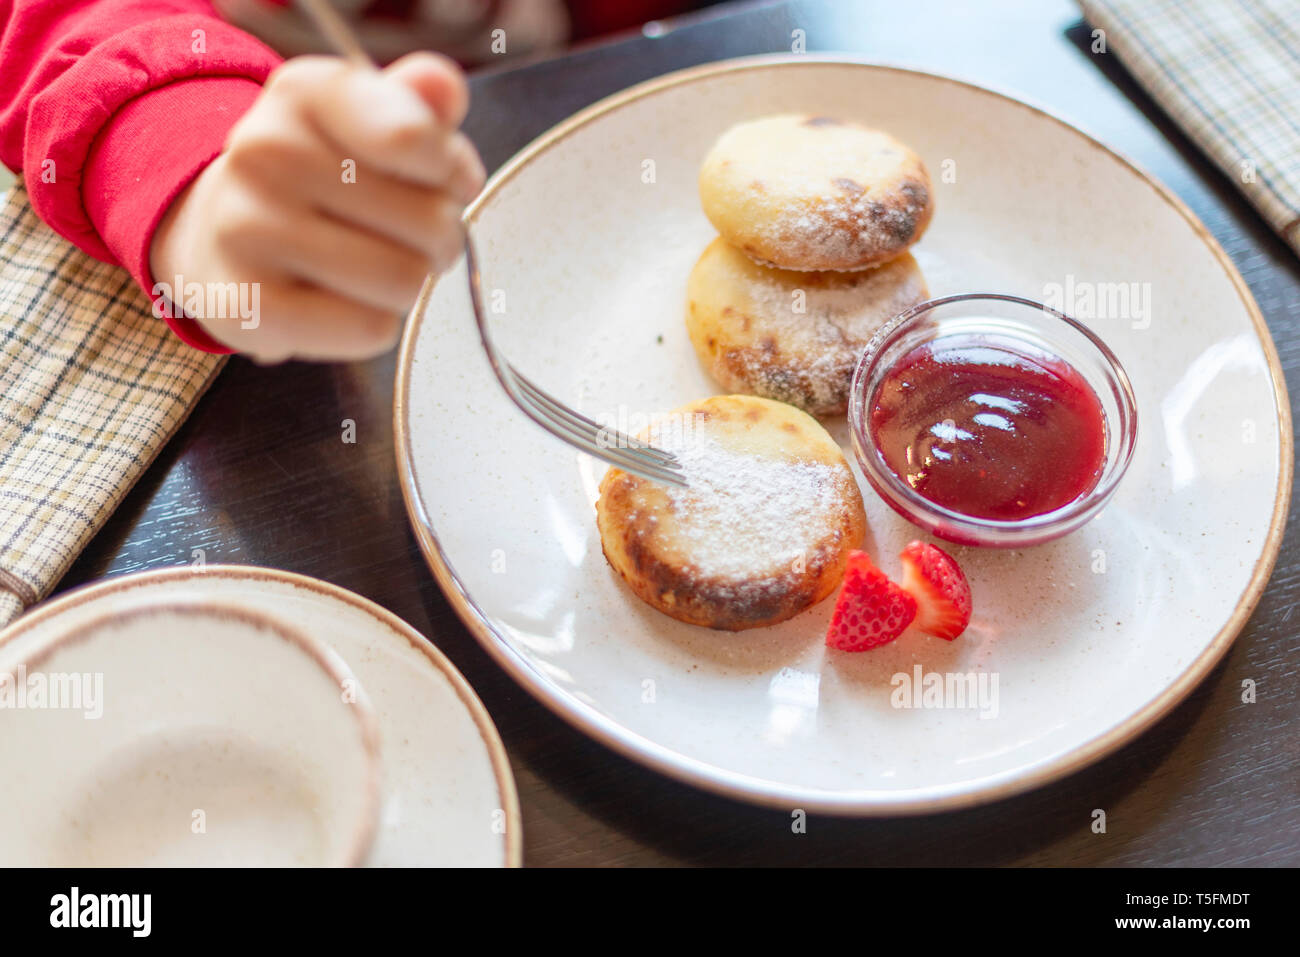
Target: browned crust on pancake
(878,225)
(628,534)
(767,366)
(767,371)
(679,592)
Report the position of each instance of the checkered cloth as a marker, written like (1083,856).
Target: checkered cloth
(1228,71)
(91,386)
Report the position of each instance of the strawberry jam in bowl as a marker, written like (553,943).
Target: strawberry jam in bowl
(992,420)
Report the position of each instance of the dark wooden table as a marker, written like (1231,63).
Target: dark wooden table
(259,475)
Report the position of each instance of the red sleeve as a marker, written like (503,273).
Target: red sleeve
(111,107)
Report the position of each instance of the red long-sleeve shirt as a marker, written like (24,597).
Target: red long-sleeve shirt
(111,107)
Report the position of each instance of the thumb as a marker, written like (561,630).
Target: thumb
(438,81)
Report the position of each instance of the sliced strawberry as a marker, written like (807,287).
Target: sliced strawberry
(871,610)
(935,580)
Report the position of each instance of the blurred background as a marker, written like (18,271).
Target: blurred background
(477,33)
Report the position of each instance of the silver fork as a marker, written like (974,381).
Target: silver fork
(610,445)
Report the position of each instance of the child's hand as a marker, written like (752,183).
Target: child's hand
(337,192)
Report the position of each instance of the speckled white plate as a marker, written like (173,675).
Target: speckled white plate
(448,796)
(587,238)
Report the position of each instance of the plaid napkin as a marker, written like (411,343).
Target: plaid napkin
(91,386)
(1228,71)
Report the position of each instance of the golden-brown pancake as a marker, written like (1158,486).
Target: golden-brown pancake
(763,529)
(813,192)
(791,336)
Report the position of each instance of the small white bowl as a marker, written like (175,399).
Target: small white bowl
(185,734)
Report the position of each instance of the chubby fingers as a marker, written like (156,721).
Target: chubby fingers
(400,123)
(279,155)
(343,189)
(356,264)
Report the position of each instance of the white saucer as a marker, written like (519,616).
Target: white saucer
(448,793)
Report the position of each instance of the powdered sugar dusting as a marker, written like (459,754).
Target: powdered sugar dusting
(813,193)
(744,514)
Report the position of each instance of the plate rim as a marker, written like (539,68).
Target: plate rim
(860,803)
(501,770)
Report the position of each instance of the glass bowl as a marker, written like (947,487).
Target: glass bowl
(1006,317)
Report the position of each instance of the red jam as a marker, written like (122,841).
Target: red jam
(990,427)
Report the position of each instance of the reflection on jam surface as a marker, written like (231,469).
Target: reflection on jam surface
(990,427)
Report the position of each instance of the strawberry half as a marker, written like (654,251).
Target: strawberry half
(935,580)
(871,610)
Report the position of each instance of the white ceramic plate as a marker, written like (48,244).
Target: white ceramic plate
(587,238)
(447,791)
